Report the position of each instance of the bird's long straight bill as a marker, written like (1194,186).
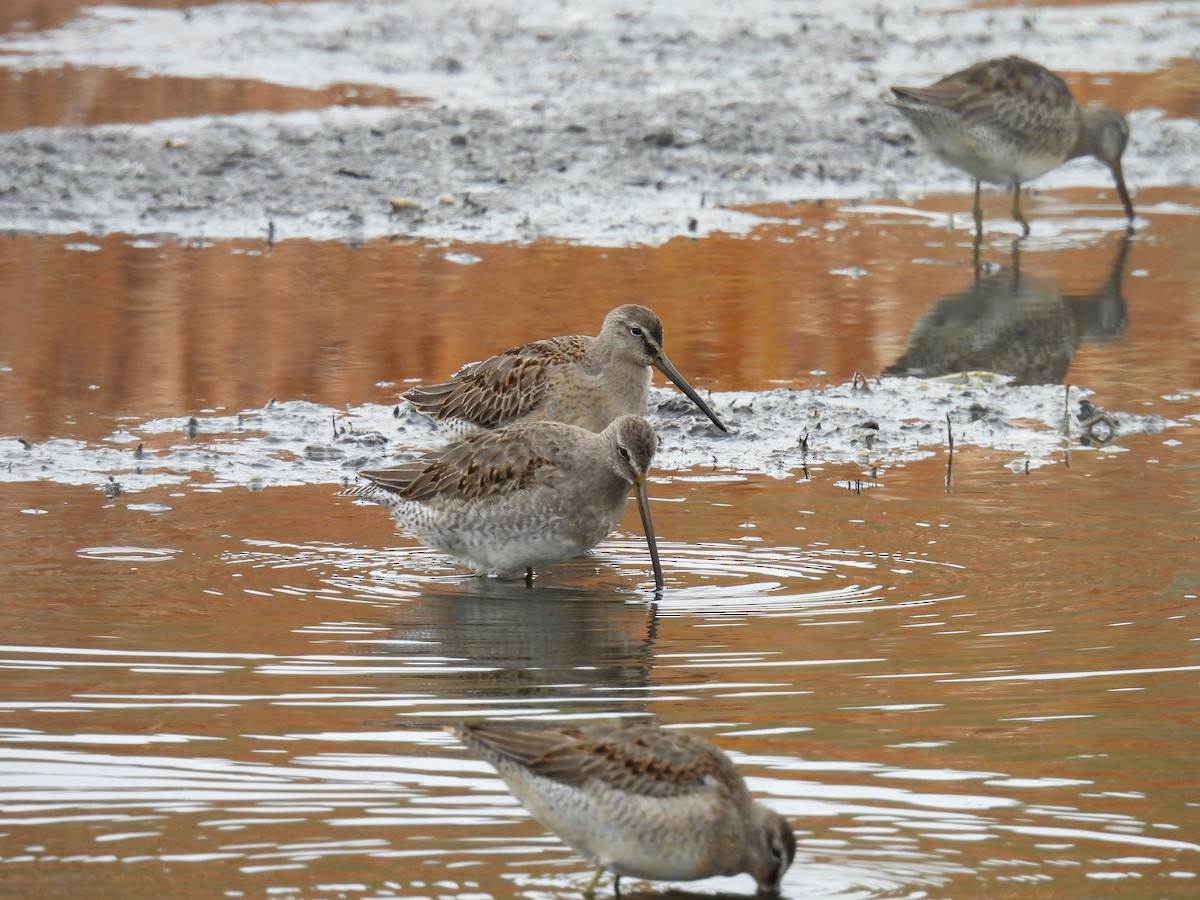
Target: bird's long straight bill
(643,503)
(664,365)
(1122,191)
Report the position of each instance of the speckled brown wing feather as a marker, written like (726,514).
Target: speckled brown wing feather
(501,389)
(1012,94)
(638,759)
(483,465)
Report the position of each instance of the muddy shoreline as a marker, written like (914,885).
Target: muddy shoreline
(582,121)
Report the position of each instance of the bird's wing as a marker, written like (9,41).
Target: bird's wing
(500,389)
(486,464)
(638,759)
(1012,94)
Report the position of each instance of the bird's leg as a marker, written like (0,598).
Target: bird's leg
(590,890)
(529,576)
(977,211)
(1016,210)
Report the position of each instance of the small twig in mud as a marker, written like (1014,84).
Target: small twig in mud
(949,452)
(859,383)
(1066,428)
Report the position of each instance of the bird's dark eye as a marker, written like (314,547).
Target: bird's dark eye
(636,330)
(624,452)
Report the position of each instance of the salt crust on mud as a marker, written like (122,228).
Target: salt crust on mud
(592,120)
(860,429)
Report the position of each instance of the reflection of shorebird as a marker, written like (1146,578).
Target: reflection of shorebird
(521,497)
(579,379)
(1009,120)
(1014,325)
(572,648)
(639,801)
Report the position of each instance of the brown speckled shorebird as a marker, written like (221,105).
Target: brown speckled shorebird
(639,801)
(578,379)
(1008,121)
(518,498)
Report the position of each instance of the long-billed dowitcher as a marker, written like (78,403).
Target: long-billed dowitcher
(1008,121)
(639,801)
(578,379)
(524,496)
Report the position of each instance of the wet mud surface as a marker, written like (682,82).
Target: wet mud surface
(587,120)
(871,424)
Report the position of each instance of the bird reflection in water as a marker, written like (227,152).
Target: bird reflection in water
(562,649)
(1014,325)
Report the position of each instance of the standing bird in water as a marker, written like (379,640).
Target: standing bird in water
(1008,121)
(529,495)
(578,379)
(640,801)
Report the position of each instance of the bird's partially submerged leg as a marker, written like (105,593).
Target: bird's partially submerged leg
(1016,210)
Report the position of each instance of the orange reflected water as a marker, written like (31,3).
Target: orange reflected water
(1033,694)
(82,97)
(163,330)
(74,96)
(41,15)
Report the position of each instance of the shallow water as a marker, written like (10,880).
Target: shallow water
(966,674)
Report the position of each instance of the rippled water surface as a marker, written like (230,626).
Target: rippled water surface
(960,675)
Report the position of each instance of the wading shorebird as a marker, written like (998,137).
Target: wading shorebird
(577,379)
(521,497)
(1008,121)
(639,801)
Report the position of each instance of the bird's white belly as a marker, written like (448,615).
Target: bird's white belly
(982,154)
(529,529)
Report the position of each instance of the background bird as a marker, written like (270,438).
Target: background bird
(1008,121)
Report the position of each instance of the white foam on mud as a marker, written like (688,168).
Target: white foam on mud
(863,428)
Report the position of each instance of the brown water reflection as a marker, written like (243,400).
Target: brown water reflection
(1016,720)
(130,328)
(82,97)
(40,15)
(1016,325)
(85,96)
